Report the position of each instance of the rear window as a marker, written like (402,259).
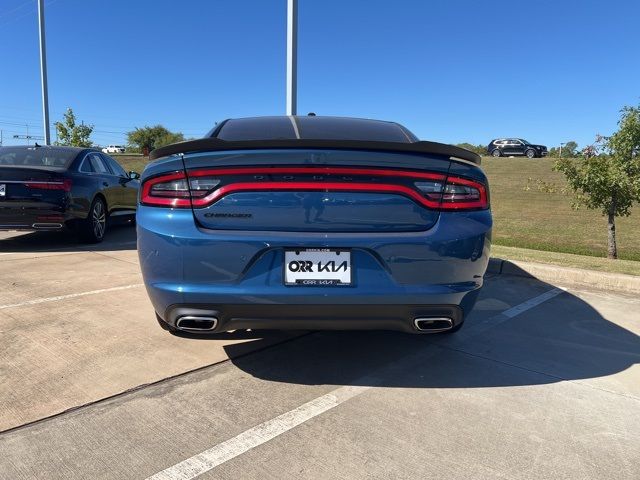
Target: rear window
(313,128)
(36,157)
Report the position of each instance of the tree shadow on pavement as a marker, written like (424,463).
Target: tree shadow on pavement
(562,339)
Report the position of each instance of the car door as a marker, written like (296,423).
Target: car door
(108,183)
(128,190)
(518,147)
(511,147)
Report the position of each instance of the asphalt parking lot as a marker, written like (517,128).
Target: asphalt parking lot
(542,382)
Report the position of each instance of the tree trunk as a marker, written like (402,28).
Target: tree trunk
(612,247)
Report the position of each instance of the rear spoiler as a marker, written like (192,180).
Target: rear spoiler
(216,144)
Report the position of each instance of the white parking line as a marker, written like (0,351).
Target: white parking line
(535,301)
(209,459)
(262,433)
(71,295)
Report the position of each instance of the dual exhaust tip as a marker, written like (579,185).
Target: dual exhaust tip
(194,323)
(433,324)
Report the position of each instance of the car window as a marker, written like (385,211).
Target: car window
(86,166)
(115,166)
(98,164)
(36,156)
(326,128)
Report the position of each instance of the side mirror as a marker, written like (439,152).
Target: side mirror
(134,175)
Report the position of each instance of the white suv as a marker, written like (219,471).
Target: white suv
(113,149)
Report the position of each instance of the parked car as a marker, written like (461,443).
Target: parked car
(506,147)
(51,188)
(113,149)
(313,223)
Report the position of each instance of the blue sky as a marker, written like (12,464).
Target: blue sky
(451,71)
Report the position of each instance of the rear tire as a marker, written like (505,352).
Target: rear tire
(93,229)
(530,153)
(496,153)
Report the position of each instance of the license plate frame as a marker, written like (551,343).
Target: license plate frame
(328,269)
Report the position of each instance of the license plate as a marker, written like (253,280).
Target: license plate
(317,267)
(3,190)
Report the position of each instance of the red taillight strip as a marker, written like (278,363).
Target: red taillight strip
(147,198)
(50,185)
(316,170)
(311,186)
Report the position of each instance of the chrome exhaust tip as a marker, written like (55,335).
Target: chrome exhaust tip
(42,226)
(433,324)
(193,323)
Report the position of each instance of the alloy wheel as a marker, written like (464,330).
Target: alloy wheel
(98,219)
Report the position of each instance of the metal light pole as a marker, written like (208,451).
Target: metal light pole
(43,74)
(292,57)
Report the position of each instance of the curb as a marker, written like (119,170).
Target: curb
(557,274)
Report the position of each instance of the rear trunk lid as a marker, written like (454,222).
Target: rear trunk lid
(30,196)
(314,190)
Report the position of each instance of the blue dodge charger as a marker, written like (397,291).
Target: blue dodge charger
(310,222)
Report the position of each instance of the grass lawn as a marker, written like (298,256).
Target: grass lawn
(532,219)
(601,264)
(545,221)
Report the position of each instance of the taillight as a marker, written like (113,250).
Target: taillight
(175,190)
(171,190)
(463,194)
(456,193)
(204,187)
(64,185)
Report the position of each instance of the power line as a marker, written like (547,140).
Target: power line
(24,14)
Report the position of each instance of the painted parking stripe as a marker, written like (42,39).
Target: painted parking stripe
(209,459)
(223,452)
(36,301)
(535,301)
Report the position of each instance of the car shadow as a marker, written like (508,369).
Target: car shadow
(562,339)
(118,237)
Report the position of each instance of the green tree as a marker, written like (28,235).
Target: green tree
(609,182)
(71,134)
(569,149)
(479,149)
(147,138)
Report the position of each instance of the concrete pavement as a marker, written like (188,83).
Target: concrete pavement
(536,385)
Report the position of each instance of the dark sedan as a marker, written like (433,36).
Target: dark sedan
(51,188)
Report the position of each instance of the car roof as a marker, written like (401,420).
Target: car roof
(311,127)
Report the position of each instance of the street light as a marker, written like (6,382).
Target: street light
(292,57)
(43,74)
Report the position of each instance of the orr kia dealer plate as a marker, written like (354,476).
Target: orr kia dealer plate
(317,267)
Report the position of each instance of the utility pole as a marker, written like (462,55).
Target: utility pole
(43,74)
(292,57)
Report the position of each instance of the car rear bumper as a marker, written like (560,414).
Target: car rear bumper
(31,221)
(312,317)
(237,276)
